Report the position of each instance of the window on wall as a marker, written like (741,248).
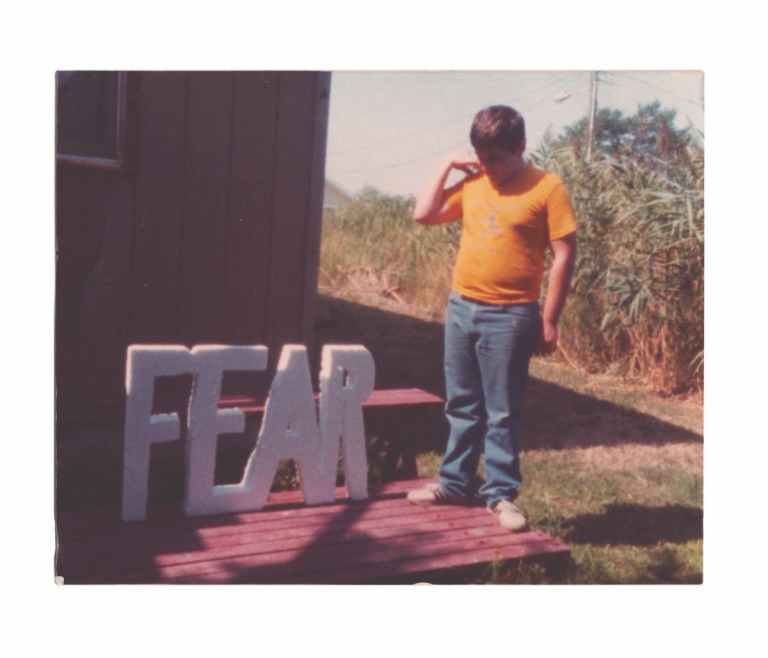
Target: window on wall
(91,118)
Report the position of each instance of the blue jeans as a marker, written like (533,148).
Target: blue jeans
(487,352)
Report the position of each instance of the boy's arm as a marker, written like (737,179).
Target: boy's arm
(563,264)
(430,206)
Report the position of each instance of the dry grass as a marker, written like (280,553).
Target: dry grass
(637,301)
(369,286)
(684,410)
(613,470)
(609,467)
(683,457)
(373,252)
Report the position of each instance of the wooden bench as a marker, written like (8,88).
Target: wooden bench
(406,403)
(382,539)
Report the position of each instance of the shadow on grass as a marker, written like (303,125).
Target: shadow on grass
(409,353)
(636,525)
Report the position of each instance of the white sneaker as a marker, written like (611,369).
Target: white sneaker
(432,494)
(509,516)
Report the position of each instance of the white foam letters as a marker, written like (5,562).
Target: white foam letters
(346,379)
(288,431)
(206,422)
(145,362)
(289,428)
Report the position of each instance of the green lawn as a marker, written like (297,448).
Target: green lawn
(610,468)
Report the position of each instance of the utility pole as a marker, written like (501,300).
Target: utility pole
(592,110)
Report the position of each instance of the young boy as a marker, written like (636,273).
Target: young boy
(511,211)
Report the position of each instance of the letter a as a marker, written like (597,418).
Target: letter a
(289,431)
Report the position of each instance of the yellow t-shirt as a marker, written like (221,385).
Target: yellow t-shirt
(505,234)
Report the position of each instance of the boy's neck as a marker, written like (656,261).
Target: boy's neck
(517,169)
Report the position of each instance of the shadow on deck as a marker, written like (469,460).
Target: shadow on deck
(368,541)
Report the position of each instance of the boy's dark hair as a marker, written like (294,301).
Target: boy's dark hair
(497,125)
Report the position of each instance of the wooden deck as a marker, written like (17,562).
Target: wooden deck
(382,539)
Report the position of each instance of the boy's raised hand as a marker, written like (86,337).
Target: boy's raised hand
(469,164)
(430,207)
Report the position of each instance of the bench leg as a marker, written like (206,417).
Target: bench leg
(401,444)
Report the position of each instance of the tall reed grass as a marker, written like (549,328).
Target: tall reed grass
(378,234)
(637,302)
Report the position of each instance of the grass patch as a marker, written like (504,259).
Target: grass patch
(683,411)
(617,471)
(616,475)
(642,525)
(609,474)
(623,526)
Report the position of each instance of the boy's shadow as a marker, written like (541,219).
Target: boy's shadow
(409,353)
(636,525)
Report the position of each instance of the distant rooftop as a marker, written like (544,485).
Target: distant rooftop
(335,196)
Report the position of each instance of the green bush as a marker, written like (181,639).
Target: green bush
(379,233)
(637,302)
(638,294)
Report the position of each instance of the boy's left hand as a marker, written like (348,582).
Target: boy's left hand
(547,339)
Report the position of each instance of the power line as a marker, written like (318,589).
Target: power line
(546,97)
(401,137)
(549,84)
(652,86)
(400,164)
(442,125)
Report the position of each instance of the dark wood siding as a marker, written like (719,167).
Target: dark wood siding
(158,216)
(211,235)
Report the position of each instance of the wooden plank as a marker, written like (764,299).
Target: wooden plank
(293,179)
(249,220)
(158,208)
(355,541)
(115,411)
(105,311)
(250,207)
(69,212)
(92,536)
(208,141)
(370,547)
(390,565)
(417,562)
(289,533)
(93,228)
(162,516)
(315,210)
(378,398)
(401,396)
(432,555)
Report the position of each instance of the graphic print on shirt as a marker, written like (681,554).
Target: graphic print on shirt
(490,226)
(506,233)
(485,219)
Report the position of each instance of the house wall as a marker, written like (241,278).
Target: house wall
(211,235)
(334,198)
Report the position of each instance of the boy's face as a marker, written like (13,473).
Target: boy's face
(499,164)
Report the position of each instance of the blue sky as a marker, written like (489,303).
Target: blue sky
(389,129)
